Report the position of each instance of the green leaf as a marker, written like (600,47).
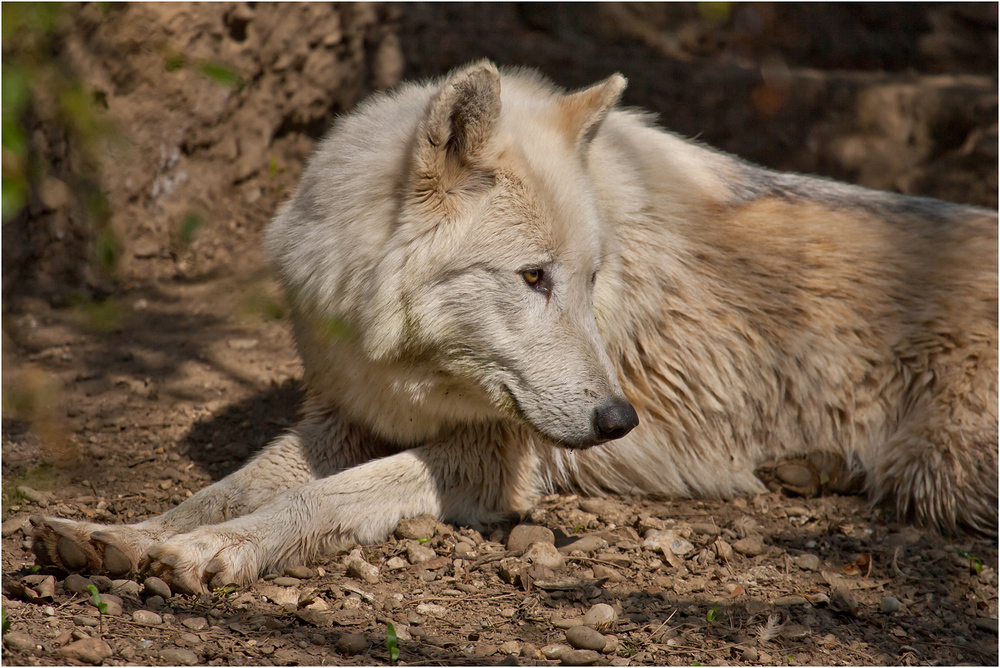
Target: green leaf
(423,540)
(712,614)
(390,642)
(4,622)
(977,564)
(221,75)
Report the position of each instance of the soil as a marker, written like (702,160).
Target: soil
(130,384)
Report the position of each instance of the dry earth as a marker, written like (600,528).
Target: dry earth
(128,387)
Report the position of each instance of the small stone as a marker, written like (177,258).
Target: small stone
(146,618)
(432,609)
(584,637)
(103,583)
(351,644)
(786,601)
(83,620)
(113,602)
(396,563)
(33,495)
(984,623)
(126,588)
(523,535)
(155,602)
(555,651)
(285,581)
(890,604)
(545,554)
(88,650)
(587,544)
(579,657)
(529,651)
(749,655)
(179,657)
(510,647)
(600,617)
(77,584)
(13,525)
(416,528)
(604,572)
(808,562)
(195,623)
(20,642)
(611,646)
(154,586)
(418,554)
(359,568)
(723,550)
(705,529)
(751,546)
(301,572)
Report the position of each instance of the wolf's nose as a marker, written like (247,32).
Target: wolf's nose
(615,419)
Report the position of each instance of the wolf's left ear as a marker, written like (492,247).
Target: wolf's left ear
(462,115)
(582,112)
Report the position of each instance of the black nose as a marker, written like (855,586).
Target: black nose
(614,419)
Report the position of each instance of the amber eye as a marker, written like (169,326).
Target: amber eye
(532,276)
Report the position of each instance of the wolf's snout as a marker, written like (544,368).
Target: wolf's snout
(614,419)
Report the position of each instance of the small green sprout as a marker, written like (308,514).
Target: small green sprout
(4,622)
(390,642)
(578,528)
(975,563)
(102,607)
(712,614)
(423,540)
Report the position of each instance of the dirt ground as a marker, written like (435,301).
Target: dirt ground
(146,354)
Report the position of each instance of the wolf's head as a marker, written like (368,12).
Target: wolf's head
(452,235)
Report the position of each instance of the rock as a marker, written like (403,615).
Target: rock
(154,586)
(396,563)
(723,550)
(155,602)
(808,562)
(33,495)
(53,193)
(195,623)
(89,650)
(351,644)
(603,572)
(545,554)
(561,623)
(126,588)
(579,657)
(890,604)
(749,655)
(77,584)
(13,525)
(19,641)
(588,544)
(555,651)
(359,568)
(146,618)
(790,600)
(751,546)
(416,528)
(705,529)
(84,620)
(600,617)
(103,583)
(529,651)
(175,656)
(510,647)
(418,554)
(301,572)
(611,646)
(432,609)
(113,603)
(670,543)
(584,637)
(984,623)
(523,535)
(287,581)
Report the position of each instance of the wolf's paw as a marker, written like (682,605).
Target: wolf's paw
(203,559)
(91,548)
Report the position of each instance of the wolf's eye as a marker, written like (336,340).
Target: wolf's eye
(532,276)
(593,278)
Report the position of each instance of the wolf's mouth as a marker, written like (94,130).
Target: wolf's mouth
(518,412)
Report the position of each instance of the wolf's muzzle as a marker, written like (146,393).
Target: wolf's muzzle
(614,419)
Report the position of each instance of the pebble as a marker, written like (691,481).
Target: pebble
(396,563)
(154,586)
(352,643)
(77,584)
(790,600)
(33,495)
(984,623)
(179,657)
(544,554)
(146,618)
(751,546)
(103,583)
(584,637)
(286,581)
(579,657)
(588,544)
(510,647)
(523,535)
(125,587)
(13,525)
(529,651)
(604,572)
(432,609)
(195,623)
(418,554)
(88,650)
(21,642)
(83,620)
(890,604)
(301,572)
(808,562)
(555,651)
(749,655)
(361,569)
(416,528)
(600,617)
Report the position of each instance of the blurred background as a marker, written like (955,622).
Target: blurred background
(145,146)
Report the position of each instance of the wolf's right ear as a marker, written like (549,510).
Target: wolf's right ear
(460,119)
(582,112)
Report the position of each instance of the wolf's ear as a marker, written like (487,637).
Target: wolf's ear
(581,112)
(461,117)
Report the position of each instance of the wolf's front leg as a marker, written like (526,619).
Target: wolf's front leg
(292,459)
(362,504)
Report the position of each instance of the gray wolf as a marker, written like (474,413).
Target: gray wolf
(500,289)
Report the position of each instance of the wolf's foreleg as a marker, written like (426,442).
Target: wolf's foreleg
(362,504)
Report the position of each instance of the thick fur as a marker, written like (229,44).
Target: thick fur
(481,264)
